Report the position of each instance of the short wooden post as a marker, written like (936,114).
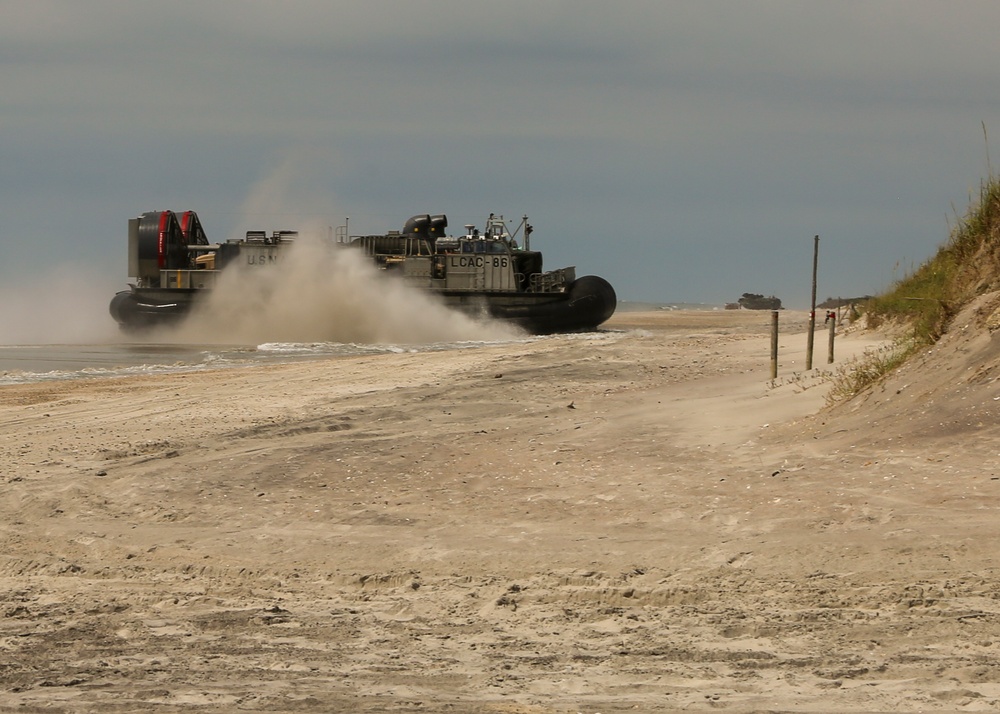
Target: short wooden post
(774,344)
(833,330)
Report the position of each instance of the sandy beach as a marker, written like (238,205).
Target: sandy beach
(633,520)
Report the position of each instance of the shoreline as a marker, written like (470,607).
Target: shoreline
(24,364)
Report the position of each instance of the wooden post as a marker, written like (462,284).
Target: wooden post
(812,308)
(774,344)
(833,330)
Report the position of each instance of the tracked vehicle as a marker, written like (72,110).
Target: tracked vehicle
(479,273)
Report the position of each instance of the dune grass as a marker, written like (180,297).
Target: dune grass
(966,265)
(922,303)
(857,375)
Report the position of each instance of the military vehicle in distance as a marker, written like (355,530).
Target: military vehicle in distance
(477,272)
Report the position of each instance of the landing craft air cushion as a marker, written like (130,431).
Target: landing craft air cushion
(476,273)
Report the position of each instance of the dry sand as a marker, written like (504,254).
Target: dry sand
(638,520)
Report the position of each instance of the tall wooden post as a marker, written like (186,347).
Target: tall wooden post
(812,308)
(774,344)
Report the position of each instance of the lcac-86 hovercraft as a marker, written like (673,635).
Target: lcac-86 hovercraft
(488,271)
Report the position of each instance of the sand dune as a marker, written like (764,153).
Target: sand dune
(634,520)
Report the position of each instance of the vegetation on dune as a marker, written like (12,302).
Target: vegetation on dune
(967,265)
(857,375)
(922,303)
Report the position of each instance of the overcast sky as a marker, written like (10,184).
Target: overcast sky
(685,151)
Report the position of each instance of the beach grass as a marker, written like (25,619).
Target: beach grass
(920,305)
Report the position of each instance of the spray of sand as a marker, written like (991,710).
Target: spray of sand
(65,305)
(320,292)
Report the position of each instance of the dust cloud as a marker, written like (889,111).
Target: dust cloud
(321,292)
(318,291)
(65,305)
